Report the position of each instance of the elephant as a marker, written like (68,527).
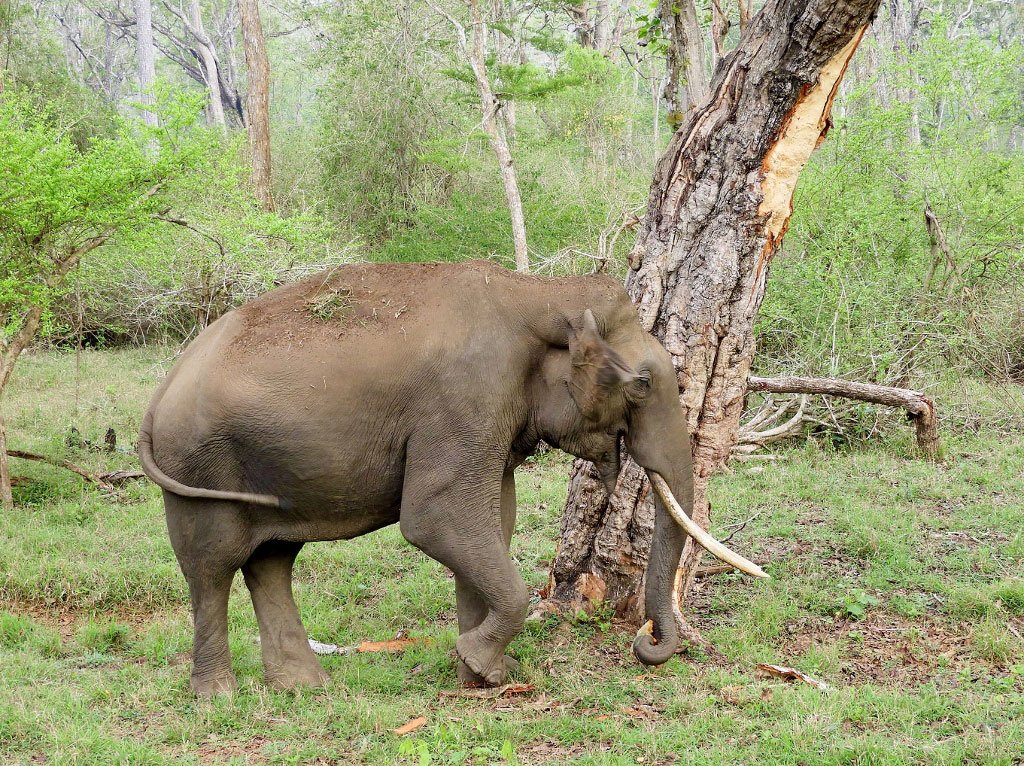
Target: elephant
(377,393)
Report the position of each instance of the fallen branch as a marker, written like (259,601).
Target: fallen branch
(66,464)
(118,478)
(919,408)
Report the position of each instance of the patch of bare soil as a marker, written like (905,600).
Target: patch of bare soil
(214,749)
(67,619)
(885,649)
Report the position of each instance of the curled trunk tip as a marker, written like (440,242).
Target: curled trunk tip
(648,649)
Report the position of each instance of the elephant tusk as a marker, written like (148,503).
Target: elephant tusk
(710,544)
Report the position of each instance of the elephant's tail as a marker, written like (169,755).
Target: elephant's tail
(166,482)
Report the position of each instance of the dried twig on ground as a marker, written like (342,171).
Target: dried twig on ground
(66,464)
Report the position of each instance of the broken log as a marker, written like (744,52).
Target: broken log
(919,408)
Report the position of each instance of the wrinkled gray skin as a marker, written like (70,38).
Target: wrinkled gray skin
(383,393)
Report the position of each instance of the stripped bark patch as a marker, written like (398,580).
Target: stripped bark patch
(802,130)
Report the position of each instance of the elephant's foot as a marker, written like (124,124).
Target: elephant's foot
(483,658)
(468,678)
(297,675)
(214,685)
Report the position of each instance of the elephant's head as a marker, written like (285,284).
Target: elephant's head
(619,386)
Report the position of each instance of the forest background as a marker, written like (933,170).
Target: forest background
(379,153)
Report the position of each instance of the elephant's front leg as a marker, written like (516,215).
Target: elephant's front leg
(471,607)
(459,523)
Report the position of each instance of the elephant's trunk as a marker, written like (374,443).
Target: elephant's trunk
(658,643)
(655,644)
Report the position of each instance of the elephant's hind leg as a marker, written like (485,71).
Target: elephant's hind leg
(288,662)
(210,543)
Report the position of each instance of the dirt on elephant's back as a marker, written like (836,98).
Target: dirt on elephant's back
(355,299)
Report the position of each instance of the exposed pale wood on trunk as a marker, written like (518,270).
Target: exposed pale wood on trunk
(919,407)
(719,206)
(257,104)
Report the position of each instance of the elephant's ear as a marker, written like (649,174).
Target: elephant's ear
(597,369)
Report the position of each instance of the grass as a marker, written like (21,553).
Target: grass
(898,583)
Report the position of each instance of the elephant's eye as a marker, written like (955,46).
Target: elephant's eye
(639,387)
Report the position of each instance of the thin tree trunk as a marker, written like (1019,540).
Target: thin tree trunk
(686,79)
(146,56)
(258,102)
(208,56)
(720,26)
(489,106)
(6,492)
(602,25)
(580,14)
(719,206)
(145,53)
(620,26)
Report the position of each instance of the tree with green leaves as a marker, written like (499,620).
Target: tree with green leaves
(66,198)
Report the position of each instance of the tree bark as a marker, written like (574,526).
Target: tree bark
(919,408)
(602,25)
(146,56)
(258,102)
(720,203)
(6,493)
(210,66)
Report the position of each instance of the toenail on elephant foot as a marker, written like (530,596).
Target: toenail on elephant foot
(482,658)
(214,686)
(468,678)
(284,679)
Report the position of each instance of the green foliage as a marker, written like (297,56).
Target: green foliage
(857,604)
(56,197)
(172,270)
(859,290)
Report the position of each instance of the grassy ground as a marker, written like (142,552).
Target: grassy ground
(898,583)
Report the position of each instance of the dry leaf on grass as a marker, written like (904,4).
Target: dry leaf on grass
(765,670)
(490,692)
(399,644)
(394,645)
(413,725)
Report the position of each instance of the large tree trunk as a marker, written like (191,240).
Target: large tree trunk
(719,206)
(258,102)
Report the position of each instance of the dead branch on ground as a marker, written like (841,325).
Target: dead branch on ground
(760,430)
